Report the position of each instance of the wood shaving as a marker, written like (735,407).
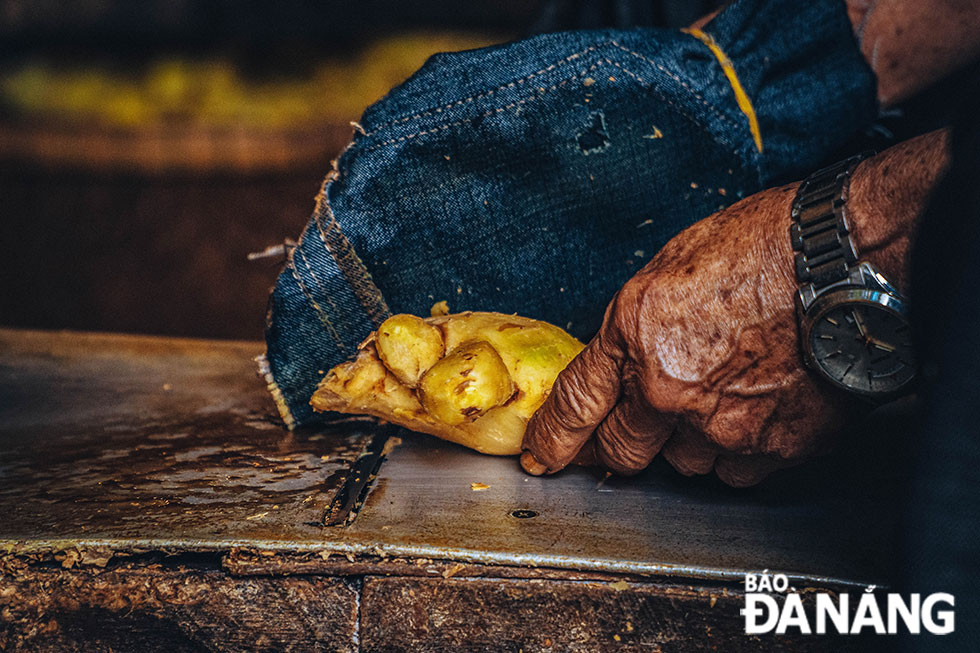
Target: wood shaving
(390,444)
(452,571)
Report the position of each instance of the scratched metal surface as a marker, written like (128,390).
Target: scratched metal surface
(125,438)
(831,522)
(94,452)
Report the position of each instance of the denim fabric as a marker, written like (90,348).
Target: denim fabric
(536,177)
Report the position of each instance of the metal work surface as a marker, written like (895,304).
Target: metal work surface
(136,443)
(824,523)
(126,438)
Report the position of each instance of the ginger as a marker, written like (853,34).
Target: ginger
(471,378)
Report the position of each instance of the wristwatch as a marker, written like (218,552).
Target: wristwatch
(854,325)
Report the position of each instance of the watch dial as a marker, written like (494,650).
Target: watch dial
(864,347)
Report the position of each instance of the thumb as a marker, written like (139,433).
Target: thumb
(582,396)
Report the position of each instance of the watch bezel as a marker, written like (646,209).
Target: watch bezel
(851,295)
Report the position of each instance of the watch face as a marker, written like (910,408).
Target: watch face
(862,341)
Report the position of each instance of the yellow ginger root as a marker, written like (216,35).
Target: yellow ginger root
(471,378)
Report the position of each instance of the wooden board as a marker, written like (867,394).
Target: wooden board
(174,609)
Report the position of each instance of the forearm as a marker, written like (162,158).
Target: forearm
(887,195)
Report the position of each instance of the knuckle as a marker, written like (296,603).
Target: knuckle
(746,471)
(735,475)
(740,424)
(680,463)
(640,296)
(688,464)
(622,452)
(542,439)
(573,402)
(620,461)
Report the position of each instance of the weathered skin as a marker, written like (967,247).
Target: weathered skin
(911,44)
(698,355)
(491,373)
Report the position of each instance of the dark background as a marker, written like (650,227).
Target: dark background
(89,242)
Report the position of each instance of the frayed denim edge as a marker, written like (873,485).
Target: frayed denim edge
(343,253)
(270,383)
(349,264)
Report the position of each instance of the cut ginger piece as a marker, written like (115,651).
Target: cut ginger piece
(470,378)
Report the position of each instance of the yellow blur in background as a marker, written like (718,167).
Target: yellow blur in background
(215,91)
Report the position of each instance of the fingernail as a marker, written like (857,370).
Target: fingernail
(531,464)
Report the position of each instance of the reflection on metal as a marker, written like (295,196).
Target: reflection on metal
(351,495)
(829,522)
(123,438)
(114,445)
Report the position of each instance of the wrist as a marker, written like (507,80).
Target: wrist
(887,194)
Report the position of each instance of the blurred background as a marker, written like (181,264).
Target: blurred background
(147,148)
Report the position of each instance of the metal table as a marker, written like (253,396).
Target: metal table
(150,498)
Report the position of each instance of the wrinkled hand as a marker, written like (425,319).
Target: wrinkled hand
(698,355)
(697,359)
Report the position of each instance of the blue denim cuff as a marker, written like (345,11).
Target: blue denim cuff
(538,176)
(800,64)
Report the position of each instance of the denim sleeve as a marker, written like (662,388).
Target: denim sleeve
(538,176)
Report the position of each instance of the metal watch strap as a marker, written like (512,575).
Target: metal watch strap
(820,231)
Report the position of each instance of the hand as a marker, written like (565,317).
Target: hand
(911,44)
(698,355)
(697,358)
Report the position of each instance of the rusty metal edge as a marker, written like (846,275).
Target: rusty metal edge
(653,569)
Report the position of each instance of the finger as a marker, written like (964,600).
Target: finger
(531,464)
(748,470)
(690,452)
(586,455)
(582,395)
(631,435)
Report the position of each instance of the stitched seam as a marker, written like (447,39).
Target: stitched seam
(676,107)
(348,262)
(351,265)
(687,87)
(319,285)
(487,114)
(680,81)
(539,94)
(473,98)
(324,319)
(367,292)
(757,159)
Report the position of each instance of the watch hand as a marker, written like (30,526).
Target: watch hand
(859,323)
(883,346)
